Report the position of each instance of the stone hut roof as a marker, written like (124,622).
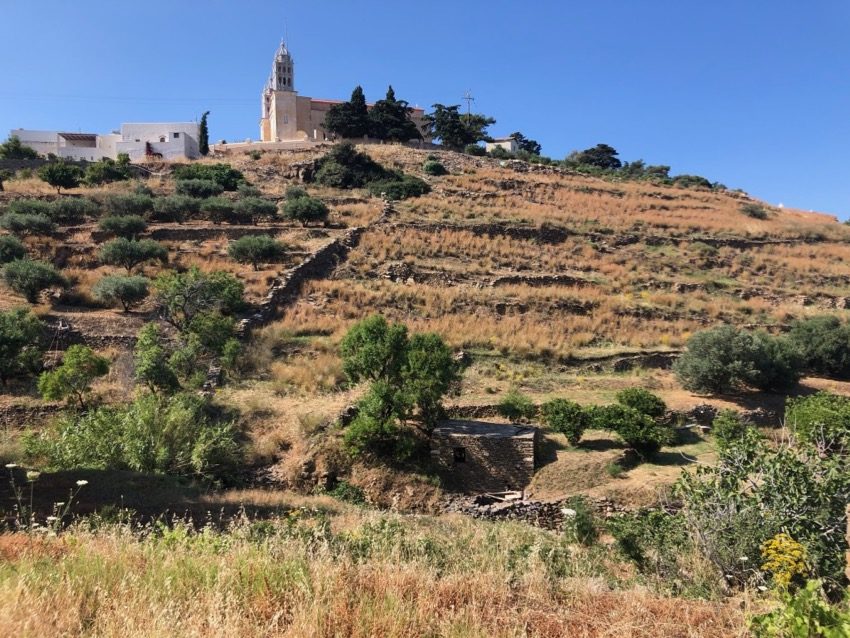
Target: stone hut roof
(484,429)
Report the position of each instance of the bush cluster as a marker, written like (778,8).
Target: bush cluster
(222,174)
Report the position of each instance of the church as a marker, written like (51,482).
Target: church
(287,116)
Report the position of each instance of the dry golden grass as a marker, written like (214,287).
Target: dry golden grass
(377,575)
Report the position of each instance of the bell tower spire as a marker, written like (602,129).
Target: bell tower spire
(283,70)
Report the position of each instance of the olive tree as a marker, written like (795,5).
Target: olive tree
(20,343)
(127,291)
(256,250)
(130,253)
(29,278)
(72,380)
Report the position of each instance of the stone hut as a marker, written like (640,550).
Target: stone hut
(474,456)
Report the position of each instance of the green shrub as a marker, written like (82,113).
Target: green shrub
(20,344)
(127,226)
(73,210)
(433,167)
(580,522)
(824,345)
(72,380)
(726,359)
(295,192)
(130,253)
(150,359)
(107,170)
(175,208)
(256,250)
(255,209)
(728,428)
(182,296)
(822,417)
(113,290)
(499,152)
(213,330)
(26,224)
(199,188)
(348,493)
(691,181)
(515,406)
(803,614)
(653,540)
(128,204)
(223,174)
(305,209)
(248,190)
(61,174)
(345,167)
(638,431)
(31,207)
(11,249)
(566,417)
(475,149)
(161,434)
(399,187)
(12,148)
(643,401)
(217,209)
(753,210)
(30,278)
(376,430)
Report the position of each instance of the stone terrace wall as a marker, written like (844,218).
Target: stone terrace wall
(492,464)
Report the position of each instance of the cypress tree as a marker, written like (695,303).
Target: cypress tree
(204,135)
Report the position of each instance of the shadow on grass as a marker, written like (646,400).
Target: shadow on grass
(672,459)
(547,450)
(149,496)
(600,445)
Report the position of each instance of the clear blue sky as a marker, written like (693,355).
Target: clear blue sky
(752,93)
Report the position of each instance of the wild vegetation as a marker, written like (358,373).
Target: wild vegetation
(138,357)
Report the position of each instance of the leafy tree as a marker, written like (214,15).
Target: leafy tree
(389,119)
(454,130)
(11,249)
(213,330)
(726,359)
(72,380)
(20,343)
(127,226)
(376,429)
(182,296)
(475,149)
(526,144)
(428,373)
(349,119)
(374,350)
(200,188)
(27,224)
(639,431)
(566,417)
(305,209)
(175,208)
(116,289)
(130,253)
(29,278)
(253,210)
(600,156)
(691,181)
(824,345)
(643,401)
(217,209)
(150,357)
(204,135)
(72,210)
(61,175)
(256,250)
(106,170)
(728,428)
(13,149)
(224,174)
(30,207)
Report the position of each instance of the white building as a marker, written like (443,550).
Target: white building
(165,140)
(507,143)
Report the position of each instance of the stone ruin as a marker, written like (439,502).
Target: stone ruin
(476,456)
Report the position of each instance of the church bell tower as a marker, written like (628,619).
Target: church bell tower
(278,121)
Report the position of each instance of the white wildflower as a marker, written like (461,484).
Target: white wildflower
(743,559)
(32,475)
(11,466)
(51,519)
(82,482)
(568,512)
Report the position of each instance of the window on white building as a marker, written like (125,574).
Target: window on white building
(176,136)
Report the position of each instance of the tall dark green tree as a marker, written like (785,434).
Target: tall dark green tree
(454,130)
(13,149)
(204,135)
(601,156)
(390,120)
(349,119)
(526,144)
